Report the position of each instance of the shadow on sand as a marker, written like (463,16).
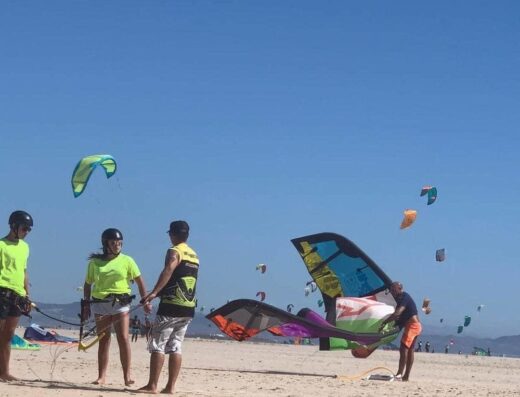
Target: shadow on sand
(265,372)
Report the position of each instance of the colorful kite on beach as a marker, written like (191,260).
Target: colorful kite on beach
(261,294)
(86,166)
(261,267)
(341,269)
(440,255)
(409,218)
(358,320)
(432,193)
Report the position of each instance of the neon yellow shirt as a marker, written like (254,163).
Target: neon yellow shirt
(13,262)
(111,277)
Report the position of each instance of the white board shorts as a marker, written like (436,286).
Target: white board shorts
(167,334)
(108,308)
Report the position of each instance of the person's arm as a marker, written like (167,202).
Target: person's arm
(26,283)
(147,307)
(171,261)
(394,316)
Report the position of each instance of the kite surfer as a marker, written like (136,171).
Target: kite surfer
(14,284)
(405,316)
(107,282)
(176,288)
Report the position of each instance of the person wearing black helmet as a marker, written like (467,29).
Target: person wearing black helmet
(14,284)
(176,287)
(107,283)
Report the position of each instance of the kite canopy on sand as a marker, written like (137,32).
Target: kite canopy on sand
(341,269)
(358,322)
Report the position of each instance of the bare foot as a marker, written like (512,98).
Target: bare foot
(167,391)
(129,382)
(8,378)
(99,381)
(146,389)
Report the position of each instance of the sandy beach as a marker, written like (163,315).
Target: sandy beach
(228,368)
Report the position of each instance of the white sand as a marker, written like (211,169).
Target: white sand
(229,368)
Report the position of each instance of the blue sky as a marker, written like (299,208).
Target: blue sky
(258,122)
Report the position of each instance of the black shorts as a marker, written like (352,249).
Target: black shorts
(8,306)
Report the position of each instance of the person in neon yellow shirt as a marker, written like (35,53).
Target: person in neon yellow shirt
(176,287)
(14,284)
(107,283)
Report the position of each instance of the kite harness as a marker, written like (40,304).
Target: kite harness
(22,303)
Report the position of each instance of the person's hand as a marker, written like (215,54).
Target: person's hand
(147,307)
(148,298)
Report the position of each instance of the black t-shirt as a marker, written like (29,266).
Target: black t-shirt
(410,309)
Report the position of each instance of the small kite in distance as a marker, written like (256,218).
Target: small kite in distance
(290,307)
(426,306)
(409,218)
(312,285)
(262,267)
(440,255)
(261,294)
(432,193)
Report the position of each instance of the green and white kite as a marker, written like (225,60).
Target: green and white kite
(86,166)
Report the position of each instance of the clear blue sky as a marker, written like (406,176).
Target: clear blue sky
(258,122)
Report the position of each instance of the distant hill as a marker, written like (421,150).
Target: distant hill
(200,326)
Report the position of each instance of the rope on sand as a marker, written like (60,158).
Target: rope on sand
(363,374)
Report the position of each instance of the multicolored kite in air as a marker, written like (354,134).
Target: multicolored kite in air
(86,166)
(432,193)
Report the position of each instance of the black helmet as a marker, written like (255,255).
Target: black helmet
(20,218)
(111,234)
